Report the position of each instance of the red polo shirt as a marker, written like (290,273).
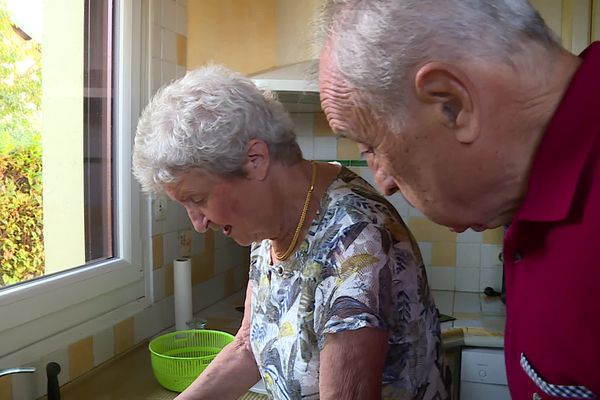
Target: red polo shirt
(552,254)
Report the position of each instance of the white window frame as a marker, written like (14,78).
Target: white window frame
(35,311)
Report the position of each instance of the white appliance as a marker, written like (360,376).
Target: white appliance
(295,85)
(483,375)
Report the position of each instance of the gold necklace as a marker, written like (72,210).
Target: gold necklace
(290,249)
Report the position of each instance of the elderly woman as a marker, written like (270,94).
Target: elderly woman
(337,304)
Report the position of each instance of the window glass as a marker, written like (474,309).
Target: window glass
(56,137)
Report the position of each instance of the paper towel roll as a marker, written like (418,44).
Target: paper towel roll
(182,280)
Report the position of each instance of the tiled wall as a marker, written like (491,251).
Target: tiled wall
(466,261)
(219,266)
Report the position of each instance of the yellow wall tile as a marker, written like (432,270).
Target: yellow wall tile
(209,240)
(347,149)
(6,388)
(230,282)
(237,33)
(157,251)
(443,254)
(441,233)
(203,267)
(321,126)
(421,228)
(493,236)
(81,357)
(425,230)
(181,50)
(124,335)
(169,280)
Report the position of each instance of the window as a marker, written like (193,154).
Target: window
(90,57)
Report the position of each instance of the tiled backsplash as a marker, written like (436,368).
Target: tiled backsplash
(467,261)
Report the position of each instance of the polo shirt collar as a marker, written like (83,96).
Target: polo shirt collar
(566,145)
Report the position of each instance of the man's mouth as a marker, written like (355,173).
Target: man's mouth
(227,230)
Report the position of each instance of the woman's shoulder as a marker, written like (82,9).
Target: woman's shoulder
(351,194)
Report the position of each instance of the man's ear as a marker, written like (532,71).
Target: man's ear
(257,160)
(449,90)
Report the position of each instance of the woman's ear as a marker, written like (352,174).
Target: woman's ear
(257,159)
(450,93)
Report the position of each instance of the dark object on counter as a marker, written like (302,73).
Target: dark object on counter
(443,317)
(52,371)
(491,292)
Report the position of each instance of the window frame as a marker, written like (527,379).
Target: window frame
(36,310)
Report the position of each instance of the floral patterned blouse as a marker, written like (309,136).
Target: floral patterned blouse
(357,267)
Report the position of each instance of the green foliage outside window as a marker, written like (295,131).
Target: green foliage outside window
(21,223)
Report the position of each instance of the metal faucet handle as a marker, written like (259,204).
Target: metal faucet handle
(20,370)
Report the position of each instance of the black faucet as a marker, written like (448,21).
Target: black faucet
(52,371)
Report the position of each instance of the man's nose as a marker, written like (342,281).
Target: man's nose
(385,183)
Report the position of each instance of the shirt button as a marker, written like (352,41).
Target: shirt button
(517,256)
(279,270)
(536,397)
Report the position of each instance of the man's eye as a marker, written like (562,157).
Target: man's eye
(365,151)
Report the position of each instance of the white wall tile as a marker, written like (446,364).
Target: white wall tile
(158,281)
(168,72)
(490,255)
(441,278)
(444,300)
(307,146)
(367,175)
(168,17)
(325,148)
(155,75)
(181,20)
(468,255)
(425,248)
(491,277)
(180,71)
(469,236)
(413,212)
(467,279)
(400,204)
(303,124)
(62,358)
(103,345)
(27,386)
(168,46)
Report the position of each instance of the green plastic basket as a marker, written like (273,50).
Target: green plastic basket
(179,357)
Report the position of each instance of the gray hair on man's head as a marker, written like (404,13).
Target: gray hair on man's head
(375,44)
(205,120)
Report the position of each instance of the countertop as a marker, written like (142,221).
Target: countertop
(479,322)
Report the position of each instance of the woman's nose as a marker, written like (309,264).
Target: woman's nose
(198,219)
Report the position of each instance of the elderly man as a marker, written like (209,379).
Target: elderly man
(480,118)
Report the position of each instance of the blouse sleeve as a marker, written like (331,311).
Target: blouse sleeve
(355,292)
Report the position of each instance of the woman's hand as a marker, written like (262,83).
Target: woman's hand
(233,371)
(352,364)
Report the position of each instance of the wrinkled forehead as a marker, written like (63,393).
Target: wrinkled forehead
(336,99)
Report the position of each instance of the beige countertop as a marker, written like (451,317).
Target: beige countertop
(479,322)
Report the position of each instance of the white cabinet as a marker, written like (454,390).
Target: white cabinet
(483,374)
